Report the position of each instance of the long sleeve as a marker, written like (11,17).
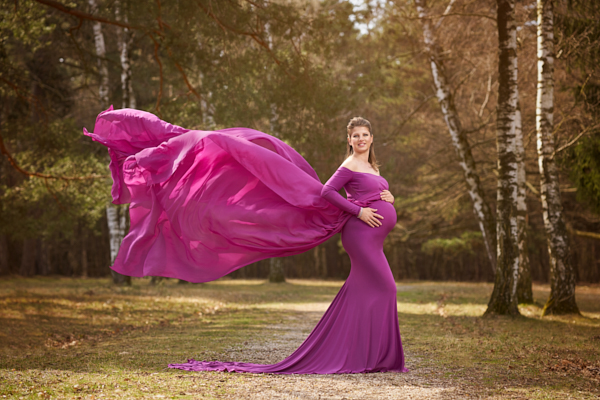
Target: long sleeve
(332,187)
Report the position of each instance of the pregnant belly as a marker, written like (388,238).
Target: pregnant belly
(358,237)
(388,212)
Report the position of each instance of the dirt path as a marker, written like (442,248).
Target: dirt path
(86,339)
(280,340)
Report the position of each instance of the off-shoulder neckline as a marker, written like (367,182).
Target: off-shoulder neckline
(358,172)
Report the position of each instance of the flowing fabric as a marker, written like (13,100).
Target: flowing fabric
(206,203)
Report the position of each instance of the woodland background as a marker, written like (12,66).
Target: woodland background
(298,70)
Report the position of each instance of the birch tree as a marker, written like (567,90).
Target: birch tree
(508,125)
(562,277)
(524,289)
(276,272)
(101,54)
(460,142)
(124,41)
(115,215)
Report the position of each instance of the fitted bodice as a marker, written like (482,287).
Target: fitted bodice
(364,188)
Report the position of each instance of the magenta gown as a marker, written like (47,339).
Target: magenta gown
(205,203)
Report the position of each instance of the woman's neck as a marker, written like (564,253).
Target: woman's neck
(362,158)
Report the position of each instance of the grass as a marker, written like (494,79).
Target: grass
(85,338)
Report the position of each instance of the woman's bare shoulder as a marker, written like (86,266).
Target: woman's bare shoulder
(349,163)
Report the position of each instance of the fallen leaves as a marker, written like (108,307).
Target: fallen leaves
(588,369)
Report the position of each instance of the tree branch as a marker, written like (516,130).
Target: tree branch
(252,35)
(446,12)
(457,15)
(410,115)
(487,96)
(592,235)
(572,142)
(16,166)
(81,15)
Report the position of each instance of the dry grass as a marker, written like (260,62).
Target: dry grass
(84,338)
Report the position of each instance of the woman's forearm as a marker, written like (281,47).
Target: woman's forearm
(331,195)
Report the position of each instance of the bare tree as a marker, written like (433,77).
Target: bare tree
(508,126)
(115,214)
(458,135)
(562,277)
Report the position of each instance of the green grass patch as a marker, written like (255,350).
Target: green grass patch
(85,338)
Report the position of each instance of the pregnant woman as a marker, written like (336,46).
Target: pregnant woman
(206,203)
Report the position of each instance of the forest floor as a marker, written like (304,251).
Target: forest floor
(87,339)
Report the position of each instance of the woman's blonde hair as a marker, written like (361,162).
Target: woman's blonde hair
(354,123)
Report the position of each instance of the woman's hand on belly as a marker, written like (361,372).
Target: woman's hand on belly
(386,195)
(369,217)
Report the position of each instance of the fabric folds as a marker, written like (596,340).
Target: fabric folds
(205,203)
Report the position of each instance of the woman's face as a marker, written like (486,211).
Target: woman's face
(360,139)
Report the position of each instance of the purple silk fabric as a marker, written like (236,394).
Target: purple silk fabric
(359,331)
(330,190)
(206,203)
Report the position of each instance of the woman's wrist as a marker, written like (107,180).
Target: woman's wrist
(359,213)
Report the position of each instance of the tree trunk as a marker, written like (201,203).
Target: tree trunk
(72,258)
(324,262)
(524,284)
(124,41)
(43,257)
(84,253)
(317,256)
(504,296)
(276,274)
(155,280)
(101,54)
(562,276)
(28,258)
(4,267)
(459,138)
(524,289)
(208,120)
(116,228)
(112,211)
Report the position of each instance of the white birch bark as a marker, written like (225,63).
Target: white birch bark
(524,289)
(562,276)
(208,119)
(504,296)
(124,42)
(116,224)
(459,138)
(116,229)
(101,54)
